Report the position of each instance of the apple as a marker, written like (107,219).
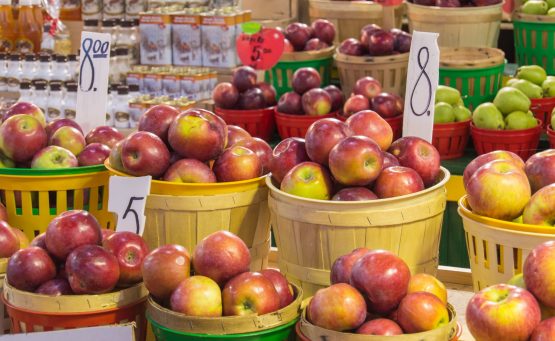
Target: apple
(545,331)
(287,46)
(69,138)
(55,287)
(505,182)
(304,79)
(537,274)
(421,311)
(367,31)
(427,283)
(225,95)
(297,34)
(309,180)
(252,99)
(243,78)
(281,285)
(540,169)
(130,250)
(395,181)
(106,233)
(157,120)
(23,240)
(143,153)
(54,125)
(39,241)
(336,96)
(403,40)
(198,134)
(315,44)
(197,296)
(189,171)
(29,268)
(389,160)
(322,136)
(342,266)
(54,157)
(93,154)
(3,212)
(339,307)
(448,3)
(324,30)
(352,47)
(105,135)
(355,104)
(490,314)
(290,103)
(538,211)
(287,154)
(5,162)
(92,270)
(385,104)
(9,243)
(249,293)
(236,134)
(269,93)
(369,123)
(481,160)
(380,326)
(356,161)
(221,256)
(354,194)
(261,148)
(25,108)
(236,164)
(316,102)
(383,278)
(368,87)
(115,157)
(381,43)
(21,137)
(420,155)
(164,268)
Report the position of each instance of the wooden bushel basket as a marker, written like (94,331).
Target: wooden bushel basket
(4,318)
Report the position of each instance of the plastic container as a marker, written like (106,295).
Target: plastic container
(450,139)
(542,108)
(476,72)
(295,125)
(551,136)
(258,123)
(522,142)
(396,124)
(311,234)
(497,249)
(34,197)
(4,318)
(534,40)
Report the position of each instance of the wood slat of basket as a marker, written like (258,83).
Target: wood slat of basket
(3,265)
(4,318)
(534,18)
(307,55)
(470,57)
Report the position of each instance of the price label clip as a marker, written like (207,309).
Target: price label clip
(128,200)
(259,48)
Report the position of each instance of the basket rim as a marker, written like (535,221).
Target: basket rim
(543,101)
(245,112)
(497,58)
(533,18)
(550,130)
(455,9)
(298,56)
(451,124)
(304,116)
(345,58)
(52,172)
(527,130)
(3,267)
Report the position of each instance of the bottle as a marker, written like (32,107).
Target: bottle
(112,94)
(8,31)
(135,105)
(25,92)
(123,63)
(70,101)
(37,11)
(48,42)
(41,96)
(73,67)
(28,28)
(55,102)
(62,43)
(113,75)
(133,8)
(91,25)
(3,72)
(43,72)
(109,26)
(113,9)
(127,38)
(71,10)
(109,115)
(13,73)
(91,9)
(60,69)
(121,108)
(28,67)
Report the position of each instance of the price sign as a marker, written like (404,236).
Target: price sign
(92,90)
(127,200)
(422,80)
(260,49)
(120,333)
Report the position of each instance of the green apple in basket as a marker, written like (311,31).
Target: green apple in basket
(448,95)
(535,7)
(461,113)
(6,162)
(519,120)
(550,4)
(510,99)
(487,116)
(530,89)
(552,118)
(548,85)
(551,12)
(533,73)
(443,113)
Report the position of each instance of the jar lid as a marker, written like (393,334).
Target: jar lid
(72,57)
(25,85)
(55,86)
(90,22)
(126,23)
(133,87)
(43,57)
(15,57)
(61,58)
(108,23)
(123,90)
(71,86)
(122,51)
(30,57)
(40,85)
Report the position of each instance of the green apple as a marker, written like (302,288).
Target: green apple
(553,118)
(511,81)
(550,4)
(518,220)
(443,113)
(6,162)
(510,99)
(530,113)
(548,87)
(487,116)
(308,180)
(518,279)
(533,73)
(539,7)
(54,157)
(462,113)
(516,120)
(528,88)
(551,12)
(447,94)
(532,122)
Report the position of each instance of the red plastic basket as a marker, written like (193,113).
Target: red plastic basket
(542,109)
(522,142)
(396,124)
(295,125)
(551,136)
(259,123)
(450,139)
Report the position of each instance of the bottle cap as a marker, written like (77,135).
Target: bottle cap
(30,57)
(55,86)
(15,57)
(72,57)
(41,85)
(25,85)
(90,22)
(43,57)
(133,87)
(71,87)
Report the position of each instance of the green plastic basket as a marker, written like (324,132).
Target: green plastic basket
(281,333)
(535,41)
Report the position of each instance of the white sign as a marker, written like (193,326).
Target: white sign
(92,89)
(127,199)
(114,333)
(422,80)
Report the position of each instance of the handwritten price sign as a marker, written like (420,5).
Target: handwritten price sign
(260,50)
(128,199)
(116,332)
(422,80)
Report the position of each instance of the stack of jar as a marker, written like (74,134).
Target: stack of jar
(112,9)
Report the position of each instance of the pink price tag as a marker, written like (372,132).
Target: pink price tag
(261,50)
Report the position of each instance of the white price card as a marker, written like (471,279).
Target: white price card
(119,333)
(128,199)
(422,80)
(92,89)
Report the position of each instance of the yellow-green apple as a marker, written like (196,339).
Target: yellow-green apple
(418,154)
(538,275)
(54,125)
(21,137)
(164,268)
(287,154)
(308,180)
(322,136)
(5,162)
(383,278)
(421,311)
(339,307)
(540,209)
(290,103)
(93,154)
(502,310)
(197,296)
(499,189)
(70,230)
(157,120)
(29,268)
(244,78)
(351,47)
(316,102)
(281,285)
(3,212)
(481,160)
(372,125)
(341,268)
(261,148)
(380,326)
(389,160)
(23,240)
(304,79)
(385,104)
(9,243)
(225,95)
(354,194)
(518,281)
(115,157)
(69,138)
(540,169)
(395,181)
(25,108)
(237,163)
(105,135)
(545,331)
(130,250)
(354,104)
(236,134)
(54,157)
(189,171)
(251,99)
(249,293)
(368,87)
(198,134)
(92,270)
(337,97)
(143,153)
(324,30)
(221,256)
(428,283)
(356,161)
(55,287)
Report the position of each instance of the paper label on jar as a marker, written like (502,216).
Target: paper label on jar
(113,7)
(6,45)
(53,113)
(134,7)
(70,4)
(23,45)
(69,113)
(91,7)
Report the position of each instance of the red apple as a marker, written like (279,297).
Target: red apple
(39,241)
(540,169)
(252,99)
(29,268)
(55,287)
(287,154)
(342,267)
(395,181)
(308,180)
(261,148)
(354,194)
(537,274)
(106,233)
(385,104)
(249,293)
(315,44)
(403,40)
(236,134)
(281,285)
(54,125)
(336,96)
(368,87)
(93,154)
(25,108)
(389,160)
(355,161)
(316,102)
(287,46)
(381,43)
(236,164)
(115,157)
(92,270)
(221,256)
(105,135)
(538,211)
(355,104)
(545,331)
(225,95)
(322,136)
(324,30)
(197,296)
(304,79)
(130,250)
(427,283)
(297,34)
(481,160)
(290,103)
(420,312)
(143,153)
(189,171)
(157,120)
(420,155)
(352,47)
(9,243)
(21,137)
(244,78)
(269,93)
(367,31)
(164,268)
(380,326)
(3,212)
(69,138)
(369,123)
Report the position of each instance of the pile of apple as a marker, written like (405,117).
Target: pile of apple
(350,161)
(375,41)
(301,37)
(373,293)
(11,238)
(456,3)
(449,106)
(533,81)
(367,95)
(203,148)
(307,98)
(538,7)
(518,308)
(244,92)
(26,141)
(501,186)
(76,256)
(222,284)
